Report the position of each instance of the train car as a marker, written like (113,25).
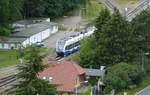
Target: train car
(70,44)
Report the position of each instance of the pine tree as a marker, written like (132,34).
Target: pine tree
(100,21)
(116,42)
(30,84)
(92,43)
(141,25)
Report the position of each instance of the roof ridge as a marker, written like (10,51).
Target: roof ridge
(75,66)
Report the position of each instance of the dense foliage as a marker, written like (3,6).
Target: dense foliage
(86,54)
(123,76)
(32,65)
(50,8)
(12,10)
(141,24)
(113,42)
(9,12)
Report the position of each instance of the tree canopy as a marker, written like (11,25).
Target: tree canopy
(141,25)
(122,76)
(12,10)
(30,84)
(9,12)
(113,42)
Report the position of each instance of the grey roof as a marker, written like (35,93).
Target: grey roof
(94,72)
(24,33)
(11,40)
(32,29)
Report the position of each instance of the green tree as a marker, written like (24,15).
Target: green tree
(122,76)
(116,42)
(141,24)
(34,8)
(100,21)
(86,55)
(9,12)
(54,9)
(30,84)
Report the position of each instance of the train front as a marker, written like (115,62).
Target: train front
(60,47)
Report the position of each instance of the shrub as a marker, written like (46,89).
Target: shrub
(122,76)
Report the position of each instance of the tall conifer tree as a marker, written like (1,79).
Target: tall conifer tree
(30,84)
(117,41)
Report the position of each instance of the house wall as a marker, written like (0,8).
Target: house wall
(40,36)
(31,40)
(9,45)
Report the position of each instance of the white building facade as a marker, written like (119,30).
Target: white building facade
(27,36)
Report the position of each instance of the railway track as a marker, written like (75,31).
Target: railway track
(7,83)
(141,6)
(131,13)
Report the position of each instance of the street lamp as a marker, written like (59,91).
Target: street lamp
(147,53)
(147,3)
(143,59)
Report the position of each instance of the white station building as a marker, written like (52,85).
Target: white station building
(28,34)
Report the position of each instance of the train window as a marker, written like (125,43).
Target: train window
(72,45)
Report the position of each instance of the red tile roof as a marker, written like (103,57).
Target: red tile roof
(64,73)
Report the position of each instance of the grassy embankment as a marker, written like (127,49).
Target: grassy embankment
(127,3)
(146,83)
(8,58)
(92,10)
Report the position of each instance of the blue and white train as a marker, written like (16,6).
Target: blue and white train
(70,44)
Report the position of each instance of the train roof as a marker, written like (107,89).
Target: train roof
(70,37)
(75,35)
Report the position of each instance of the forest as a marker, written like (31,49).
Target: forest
(13,10)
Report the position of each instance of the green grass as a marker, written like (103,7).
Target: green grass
(8,58)
(92,10)
(145,84)
(126,3)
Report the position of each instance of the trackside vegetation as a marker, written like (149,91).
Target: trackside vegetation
(8,58)
(30,83)
(121,46)
(91,10)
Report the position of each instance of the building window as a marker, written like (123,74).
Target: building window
(48,78)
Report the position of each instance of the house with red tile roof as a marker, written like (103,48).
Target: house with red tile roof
(68,75)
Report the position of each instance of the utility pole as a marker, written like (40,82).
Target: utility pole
(142,63)
(148,3)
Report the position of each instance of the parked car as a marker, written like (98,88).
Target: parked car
(39,44)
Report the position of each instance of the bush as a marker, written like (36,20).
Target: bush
(122,76)
(5,31)
(62,28)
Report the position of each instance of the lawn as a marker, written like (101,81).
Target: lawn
(92,10)
(127,3)
(145,84)
(8,58)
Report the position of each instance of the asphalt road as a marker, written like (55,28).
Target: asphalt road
(145,91)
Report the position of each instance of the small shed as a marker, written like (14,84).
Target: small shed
(94,72)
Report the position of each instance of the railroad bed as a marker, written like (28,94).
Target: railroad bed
(6,83)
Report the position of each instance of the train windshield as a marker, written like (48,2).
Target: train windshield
(61,44)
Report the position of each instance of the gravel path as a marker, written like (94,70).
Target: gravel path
(74,21)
